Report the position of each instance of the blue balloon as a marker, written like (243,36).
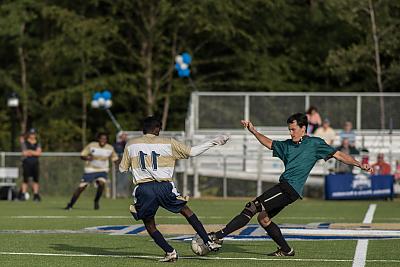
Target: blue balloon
(106,95)
(177,66)
(184,73)
(96,96)
(186,58)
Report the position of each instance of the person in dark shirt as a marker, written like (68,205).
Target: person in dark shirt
(123,178)
(299,155)
(31,151)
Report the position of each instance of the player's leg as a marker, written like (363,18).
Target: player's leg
(82,186)
(25,181)
(170,253)
(101,183)
(199,228)
(251,209)
(275,233)
(273,201)
(35,185)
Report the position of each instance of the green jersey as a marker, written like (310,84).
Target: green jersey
(300,158)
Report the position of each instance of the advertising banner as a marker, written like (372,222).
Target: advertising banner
(360,186)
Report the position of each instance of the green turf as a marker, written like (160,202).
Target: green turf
(130,250)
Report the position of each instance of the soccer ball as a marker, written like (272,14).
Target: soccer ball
(26,196)
(198,246)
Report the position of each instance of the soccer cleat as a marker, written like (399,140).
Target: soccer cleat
(170,257)
(96,205)
(281,253)
(214,238)
(68,207)
(36,197)
(213,246)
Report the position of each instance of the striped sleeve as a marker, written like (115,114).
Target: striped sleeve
(179,150)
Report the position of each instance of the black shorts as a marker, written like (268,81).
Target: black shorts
(30,169)
(277,197)
(148,197)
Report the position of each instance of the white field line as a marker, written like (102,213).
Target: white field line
(160,217)
(187,257)
(360,255)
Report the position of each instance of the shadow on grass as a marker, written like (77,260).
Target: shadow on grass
(100,251)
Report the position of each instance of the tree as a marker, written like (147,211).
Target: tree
(377,22)
(81,43)
(16,19)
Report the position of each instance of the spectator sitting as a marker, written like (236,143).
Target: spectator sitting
(397,172)
(348,133)
(326,132)
(381,167)
(346,148)
(314,120)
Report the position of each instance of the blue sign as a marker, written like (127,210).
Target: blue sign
(360,186)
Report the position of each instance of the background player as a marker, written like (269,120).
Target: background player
(152,161)
(299,155)
(31,151)
(96,155)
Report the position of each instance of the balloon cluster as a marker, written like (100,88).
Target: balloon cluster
(182,63)
(101,99)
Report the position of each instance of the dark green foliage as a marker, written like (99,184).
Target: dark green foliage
(73,49)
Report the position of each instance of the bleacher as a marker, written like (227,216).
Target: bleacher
(243,157)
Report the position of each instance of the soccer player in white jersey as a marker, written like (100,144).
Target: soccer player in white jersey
(152,160)
(97,156)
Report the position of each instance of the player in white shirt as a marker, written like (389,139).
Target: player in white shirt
(151,160)
(96,156)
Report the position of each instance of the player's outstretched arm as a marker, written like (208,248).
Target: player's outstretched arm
(200,149)
(265,141)
(346,158)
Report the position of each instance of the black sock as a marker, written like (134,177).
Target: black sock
(99,192)
(238,222)
(75,196)
(275,233)
(198,227)
(161,242)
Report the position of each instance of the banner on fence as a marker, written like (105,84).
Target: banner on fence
(360,186)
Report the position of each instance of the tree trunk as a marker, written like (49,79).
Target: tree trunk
(84,104)
(377,63)
(169,84)
(24,83)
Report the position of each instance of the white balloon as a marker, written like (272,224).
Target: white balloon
(184,66)
(101,101)
(108,104)
(95,104)
(179,59)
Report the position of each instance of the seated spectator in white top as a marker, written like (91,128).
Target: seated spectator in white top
(326,132)
(348,133)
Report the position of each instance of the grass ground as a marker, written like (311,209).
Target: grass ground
(84,249)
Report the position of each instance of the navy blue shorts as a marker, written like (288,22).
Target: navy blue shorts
(151,195)
(90,177)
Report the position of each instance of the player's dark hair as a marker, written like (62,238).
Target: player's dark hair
(100,134)
(300,118)
(150,124)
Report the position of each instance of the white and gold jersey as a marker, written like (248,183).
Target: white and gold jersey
(101,157)
(152,158)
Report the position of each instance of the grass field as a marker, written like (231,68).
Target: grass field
(93,249)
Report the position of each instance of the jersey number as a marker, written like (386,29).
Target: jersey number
(142,160)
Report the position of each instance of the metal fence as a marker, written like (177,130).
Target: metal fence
(224,110)
(61,172)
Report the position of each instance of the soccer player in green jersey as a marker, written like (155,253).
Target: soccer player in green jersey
(299,155)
